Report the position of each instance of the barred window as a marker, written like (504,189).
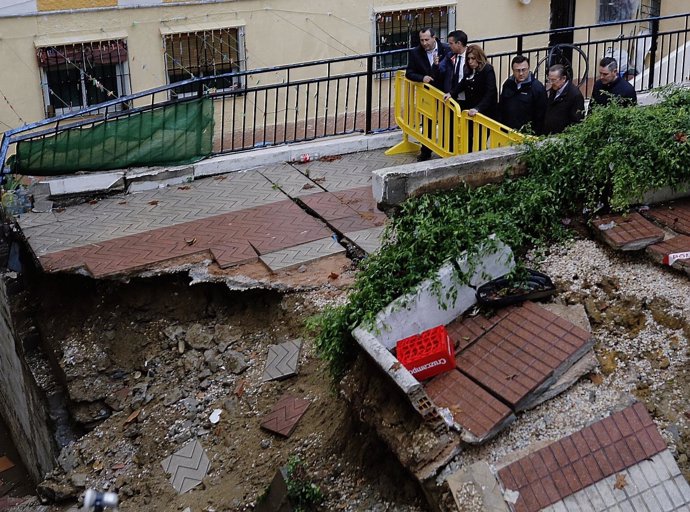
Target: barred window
(75,76)
(204,53)
(618,10)
(396,30)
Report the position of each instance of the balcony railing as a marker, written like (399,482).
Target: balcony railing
(306,101)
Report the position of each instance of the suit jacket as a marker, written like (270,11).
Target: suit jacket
(418,65)
(480,91)
(447,70)
(567,109)
(602,93)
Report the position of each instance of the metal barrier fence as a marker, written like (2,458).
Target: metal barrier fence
(421,113)
(306,101)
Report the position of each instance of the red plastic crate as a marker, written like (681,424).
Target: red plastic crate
(427,354)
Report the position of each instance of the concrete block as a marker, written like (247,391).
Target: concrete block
(292,152)
(393,185)
(87,183)
(431,305)
(477,484)
(664,194)
(149,178)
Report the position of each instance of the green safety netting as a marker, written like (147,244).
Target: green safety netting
(175,133)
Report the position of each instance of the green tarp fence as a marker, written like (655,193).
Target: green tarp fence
(173,134)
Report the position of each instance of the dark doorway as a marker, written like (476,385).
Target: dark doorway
(562,15)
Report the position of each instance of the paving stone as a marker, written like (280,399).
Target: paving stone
(631,232)
(523,354)
(300,254)
(472,407)
(284,415)
(674,252)
(675,215)
(592,457)
(187,466)
(231,238)
(282,360)
(369,240)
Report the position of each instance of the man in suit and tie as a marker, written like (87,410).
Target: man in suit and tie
(565,104)
(453,66)
(423,65)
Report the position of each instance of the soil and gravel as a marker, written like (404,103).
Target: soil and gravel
(145,363)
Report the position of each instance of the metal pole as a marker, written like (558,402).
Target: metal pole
(652,52)
(370,92)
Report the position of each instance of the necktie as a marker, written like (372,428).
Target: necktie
(458,68)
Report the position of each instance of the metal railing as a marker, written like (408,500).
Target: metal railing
(312,100)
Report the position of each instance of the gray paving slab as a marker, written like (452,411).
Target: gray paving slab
(291,181)
(282,360)
(301,254)
(187,466)
(118,216)
(654,485)
(369,240)
(351,171)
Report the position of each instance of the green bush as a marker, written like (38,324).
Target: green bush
(612,157)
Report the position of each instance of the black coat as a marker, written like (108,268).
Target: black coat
(480,91)
(567,109)
(418,65)
(601,93)
(526,105)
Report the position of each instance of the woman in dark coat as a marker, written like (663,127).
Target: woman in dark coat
(479,84)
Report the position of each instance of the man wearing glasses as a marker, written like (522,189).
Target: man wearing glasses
(523,98)
(565,104)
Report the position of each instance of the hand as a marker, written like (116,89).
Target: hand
(446,96)
(436,59)
(427,79)
(473,112)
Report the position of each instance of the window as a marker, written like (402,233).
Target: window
(396,30)
(80,75)
(619,10)
(204,53)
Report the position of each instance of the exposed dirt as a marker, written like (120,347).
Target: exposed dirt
(147,362)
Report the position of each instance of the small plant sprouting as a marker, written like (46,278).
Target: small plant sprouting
(303,494)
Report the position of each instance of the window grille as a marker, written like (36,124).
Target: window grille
(622,10)
(204,53)
(75,76)
(396,30)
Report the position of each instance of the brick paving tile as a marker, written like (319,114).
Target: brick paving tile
(674,252)
(231,238)
(353,224)
(187,466)
(631,232)
(521,354)
(573,463)
(282,360)
(284,415)
(362,201)
(328,206)
(465,331)
(369,240)
(301,254)
(472,407)
(675,216)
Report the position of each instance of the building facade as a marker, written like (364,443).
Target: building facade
(59,56)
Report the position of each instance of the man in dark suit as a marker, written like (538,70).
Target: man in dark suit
(565,104)
(423,66)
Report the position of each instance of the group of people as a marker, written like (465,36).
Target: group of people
(462,72)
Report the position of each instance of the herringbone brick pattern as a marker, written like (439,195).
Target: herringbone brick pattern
(231,238)
(285,414)
(187,466)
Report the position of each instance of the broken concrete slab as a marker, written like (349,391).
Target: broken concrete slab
(187,467)
(149,178)
(629,232)
(301,254)
(430,305)
(86,183)
(276,497)
(393,185)
(476,488)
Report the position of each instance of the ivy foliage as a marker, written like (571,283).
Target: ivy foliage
(611,158)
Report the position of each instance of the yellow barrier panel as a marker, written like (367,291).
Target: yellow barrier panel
(421,113)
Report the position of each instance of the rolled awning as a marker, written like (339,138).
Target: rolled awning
(100,52)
